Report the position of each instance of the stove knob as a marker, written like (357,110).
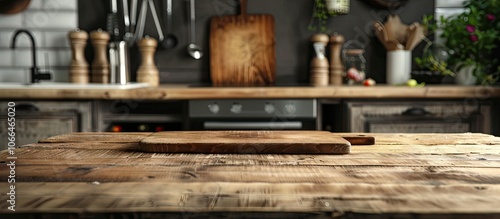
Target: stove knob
(214,108)
(236,108)
(269,108)
(289,108)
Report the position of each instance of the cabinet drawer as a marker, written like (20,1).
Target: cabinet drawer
(418,117)
(30,127)
(37,120)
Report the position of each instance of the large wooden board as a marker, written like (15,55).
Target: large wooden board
(242,49)
(246,142)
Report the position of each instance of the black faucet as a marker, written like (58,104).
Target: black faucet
(36,74)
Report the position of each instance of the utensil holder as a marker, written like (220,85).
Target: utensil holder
(398,66)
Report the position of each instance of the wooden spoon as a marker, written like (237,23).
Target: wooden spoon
(395,29)
(415,36)
(381,33)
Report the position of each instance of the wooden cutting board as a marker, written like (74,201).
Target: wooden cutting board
(246,142)
(242,49)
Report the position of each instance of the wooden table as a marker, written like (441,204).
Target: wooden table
(102,175)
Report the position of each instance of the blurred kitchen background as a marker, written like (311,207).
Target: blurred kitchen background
(50,21)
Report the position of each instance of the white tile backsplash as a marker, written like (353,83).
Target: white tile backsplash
(58,39)
(49,21)
(22,75)
(5,59)
(55,5)
(449,3)
(14,75)
(447,12)
(11,21)
(58,58)
(5,39)
(44,58)
(35,5)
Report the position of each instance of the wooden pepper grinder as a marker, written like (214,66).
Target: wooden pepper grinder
(79,69)
(148,72)
(319,63)
(100,65)
(336,66)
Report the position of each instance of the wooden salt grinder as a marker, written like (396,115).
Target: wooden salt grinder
(148,72)
(100,65)
(336,66)
(319,63)
(79,69)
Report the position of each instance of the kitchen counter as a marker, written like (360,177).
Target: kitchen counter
(182,91)
(102,175)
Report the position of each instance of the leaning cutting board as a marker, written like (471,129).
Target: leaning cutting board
(242,49)
(246,142)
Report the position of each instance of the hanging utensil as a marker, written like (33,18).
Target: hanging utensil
(129,35)
(133,15)
(126,16)
(130,18)
(170,39)
(193,50)
(112,21)
(142,20)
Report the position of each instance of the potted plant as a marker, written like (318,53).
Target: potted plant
(432,67)
(323,10)
(473,36)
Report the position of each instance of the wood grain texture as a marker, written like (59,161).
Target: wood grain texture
(183,92)
(330,198)
(401,176)
(242,49)
(243,142)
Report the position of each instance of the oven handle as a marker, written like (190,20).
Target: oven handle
(252,125)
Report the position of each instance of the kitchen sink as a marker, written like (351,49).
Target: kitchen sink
(62,85)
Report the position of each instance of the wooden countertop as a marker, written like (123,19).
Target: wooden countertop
(402,176)
(180,91)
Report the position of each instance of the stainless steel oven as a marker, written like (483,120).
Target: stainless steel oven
(253,114)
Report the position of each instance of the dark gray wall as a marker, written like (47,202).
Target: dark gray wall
(293,48)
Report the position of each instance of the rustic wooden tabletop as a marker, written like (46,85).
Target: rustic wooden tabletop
(104,175)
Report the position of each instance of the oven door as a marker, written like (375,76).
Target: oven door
(280,114)
(254,124)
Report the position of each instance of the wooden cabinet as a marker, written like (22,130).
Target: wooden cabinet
(418,116)
(35,120)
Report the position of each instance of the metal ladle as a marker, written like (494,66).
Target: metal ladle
(193,50)
(170,40)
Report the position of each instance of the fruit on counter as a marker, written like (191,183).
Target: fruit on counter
(353,74)
(369,82)
(414,83)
